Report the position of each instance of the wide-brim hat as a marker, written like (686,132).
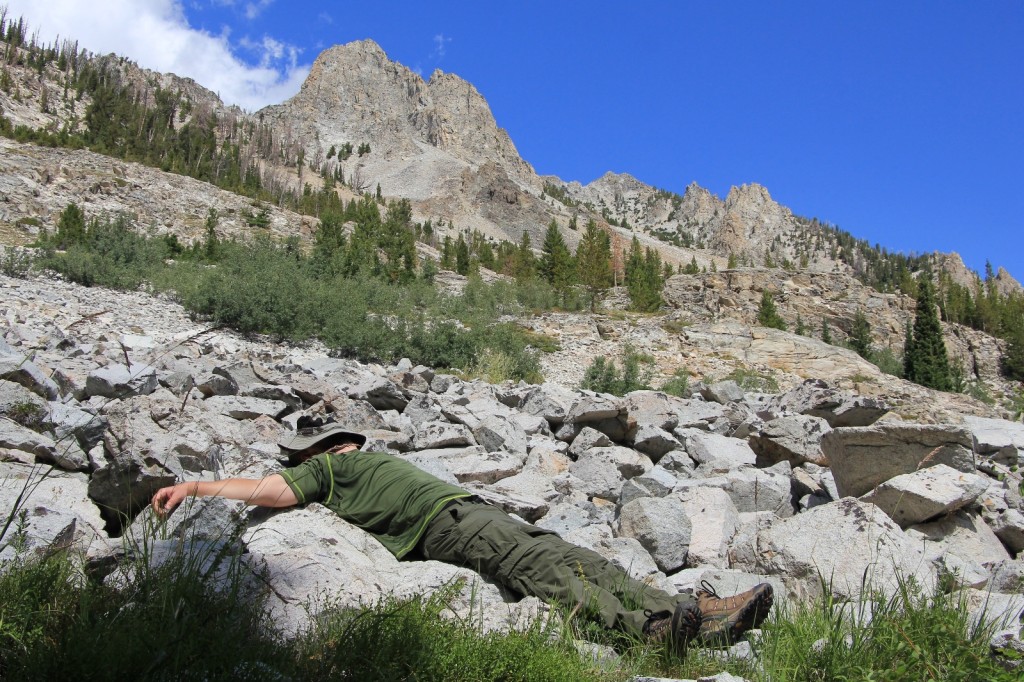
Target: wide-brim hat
(326,436)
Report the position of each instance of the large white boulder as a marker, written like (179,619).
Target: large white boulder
(927,493)
(864,456)
(851,545)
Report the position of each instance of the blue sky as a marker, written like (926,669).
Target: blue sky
(901,122)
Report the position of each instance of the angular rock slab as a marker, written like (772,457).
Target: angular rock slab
(602,471)
(713,524)
(716,451)
(56,507)
(865,456)
(843,542)
(795,438)
(839,408)
(927,493)
(119,381)
(962,535)
(312,557)
(661,525)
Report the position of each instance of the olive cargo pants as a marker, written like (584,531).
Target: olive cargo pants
(536,562)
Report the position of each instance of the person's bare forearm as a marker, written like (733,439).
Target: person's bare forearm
(271,491)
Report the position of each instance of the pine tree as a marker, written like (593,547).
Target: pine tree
(524,263)
(447,253)
(556,265)
(1013,359)
(461,256)
(826,333)
(800,328)
(594,262)
(768,314)
(70,226)
(925,361)
(860,335)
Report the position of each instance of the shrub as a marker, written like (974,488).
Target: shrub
(751,380)
(603,376)
(679,384)
(16,262)
(28,414)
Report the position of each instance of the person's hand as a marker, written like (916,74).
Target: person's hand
(167,499)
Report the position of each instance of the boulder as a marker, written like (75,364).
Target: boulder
(19,369)
(310,556)
(852,545)
(997,439)
(916,497)
(1008,526)
(768,489)
(549,400)
(14,436)
(379,392)
(653,408)
(594,407)
(216,384)
(743,549)
(962,536)
(57,511)
(715,451)
(240,407)
(722,392)
(1007,576)
(794,438)
(499,433)
(66,420)
(602,471)
(439,434)
(118,381)
(588,438)
(713,523)
(699,414)
(478,465)
(865,456)
(839,408)
(654,441)
(661,525)
(16,397)
(658,482)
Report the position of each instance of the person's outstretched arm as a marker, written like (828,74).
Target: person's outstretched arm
(271,491)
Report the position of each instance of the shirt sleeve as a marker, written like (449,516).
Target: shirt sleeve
(311,480)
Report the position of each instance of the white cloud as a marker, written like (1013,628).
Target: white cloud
(156,34)
(440,46)
(254,9)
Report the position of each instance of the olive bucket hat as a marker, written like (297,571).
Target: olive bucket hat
(326,435)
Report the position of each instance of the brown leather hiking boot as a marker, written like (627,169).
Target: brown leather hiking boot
(679,627)
(726,619)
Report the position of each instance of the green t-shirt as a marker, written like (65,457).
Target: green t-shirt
(386,496)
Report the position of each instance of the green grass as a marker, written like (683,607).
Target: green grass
(200,618)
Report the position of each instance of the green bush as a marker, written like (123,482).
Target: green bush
(751,380)
(887,361)
(679,384)
(16,262)
(603,376)
(28,414)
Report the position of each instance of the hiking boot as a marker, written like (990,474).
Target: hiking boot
(679,627)
(726,619)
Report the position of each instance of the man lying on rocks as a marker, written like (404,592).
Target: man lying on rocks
(413,513)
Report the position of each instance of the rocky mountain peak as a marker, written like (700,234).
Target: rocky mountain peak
(1006,284)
